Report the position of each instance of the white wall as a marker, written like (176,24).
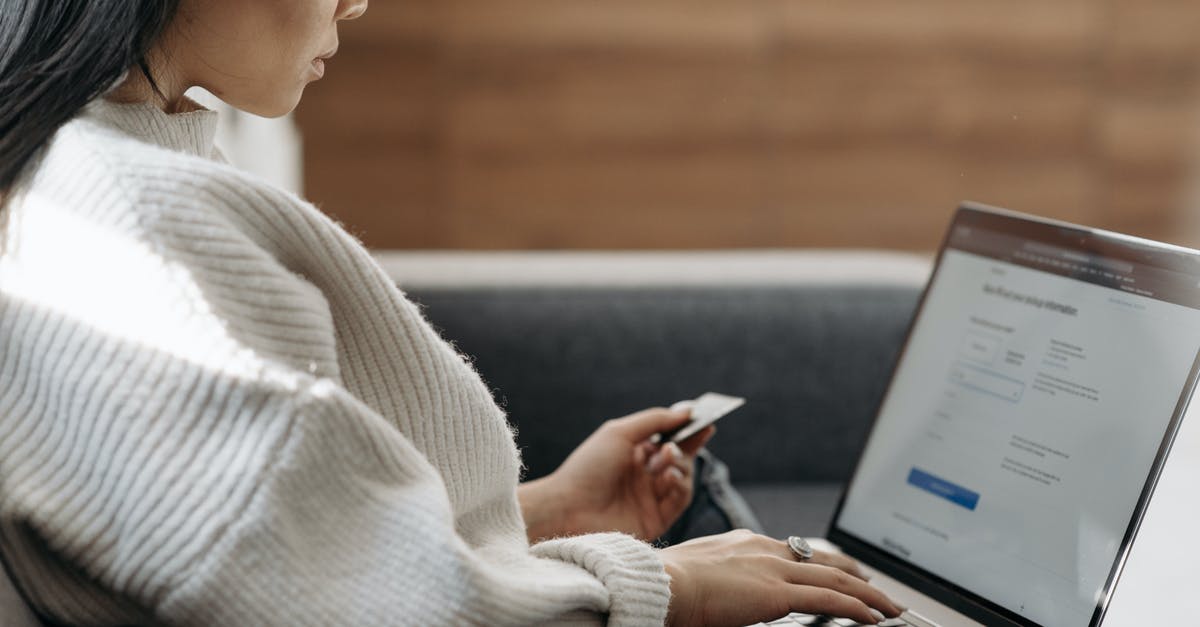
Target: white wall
(269,148)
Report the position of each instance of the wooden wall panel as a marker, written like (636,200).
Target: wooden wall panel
(1149,130)
(716,123)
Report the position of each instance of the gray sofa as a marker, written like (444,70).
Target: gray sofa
(569,340)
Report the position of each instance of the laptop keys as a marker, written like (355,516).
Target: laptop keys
(825,621)
(795,618)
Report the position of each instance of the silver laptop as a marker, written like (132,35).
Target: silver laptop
(1014,453)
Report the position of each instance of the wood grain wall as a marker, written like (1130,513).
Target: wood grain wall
(487,124)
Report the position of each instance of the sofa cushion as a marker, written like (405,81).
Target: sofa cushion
(811,360)
(793,509)
(568,339)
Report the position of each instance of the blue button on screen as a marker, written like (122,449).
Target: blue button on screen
(936,485)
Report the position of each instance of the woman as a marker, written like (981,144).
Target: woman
(216,409)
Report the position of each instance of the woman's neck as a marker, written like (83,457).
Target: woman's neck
(164,92)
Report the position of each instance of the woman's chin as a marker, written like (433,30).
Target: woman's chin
(276,107)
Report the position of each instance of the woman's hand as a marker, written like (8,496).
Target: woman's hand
(617,480)
(740,578)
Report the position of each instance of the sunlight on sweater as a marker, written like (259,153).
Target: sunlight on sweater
(109,284)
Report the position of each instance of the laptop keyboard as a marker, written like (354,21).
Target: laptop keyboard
(809,620)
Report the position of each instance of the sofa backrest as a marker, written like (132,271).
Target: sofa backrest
(808,339)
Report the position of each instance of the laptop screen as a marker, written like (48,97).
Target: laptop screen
(1027,411)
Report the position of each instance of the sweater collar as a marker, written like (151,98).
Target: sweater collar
(193,132)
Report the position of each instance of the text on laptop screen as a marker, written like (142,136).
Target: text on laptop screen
(1023,420)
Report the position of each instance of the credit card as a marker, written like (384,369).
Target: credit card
(707,409)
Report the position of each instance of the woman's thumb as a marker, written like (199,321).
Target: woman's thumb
(646,423)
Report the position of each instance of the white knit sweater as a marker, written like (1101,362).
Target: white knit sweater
(215,408)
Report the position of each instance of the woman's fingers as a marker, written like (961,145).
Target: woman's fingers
(640,426)
(658,459)
(816,600)
(842,582)
(671,479)
(666,455)
(840,562)
(834,560)
(671,471)
(692,445)
(671,455)
(763,584)
(672,492)
(642,453)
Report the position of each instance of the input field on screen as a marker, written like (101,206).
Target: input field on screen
(979,348)
(987,382)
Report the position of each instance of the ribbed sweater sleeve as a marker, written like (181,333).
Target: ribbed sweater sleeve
(216,409)
(348,525)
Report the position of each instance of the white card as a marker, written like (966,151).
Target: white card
(706,410)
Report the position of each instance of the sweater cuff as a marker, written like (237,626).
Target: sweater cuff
(639,588)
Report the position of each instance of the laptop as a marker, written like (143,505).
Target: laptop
(1036,397)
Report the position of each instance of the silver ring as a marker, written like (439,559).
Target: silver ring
(800,548)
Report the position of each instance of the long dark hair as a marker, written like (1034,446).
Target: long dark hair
(58,55)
